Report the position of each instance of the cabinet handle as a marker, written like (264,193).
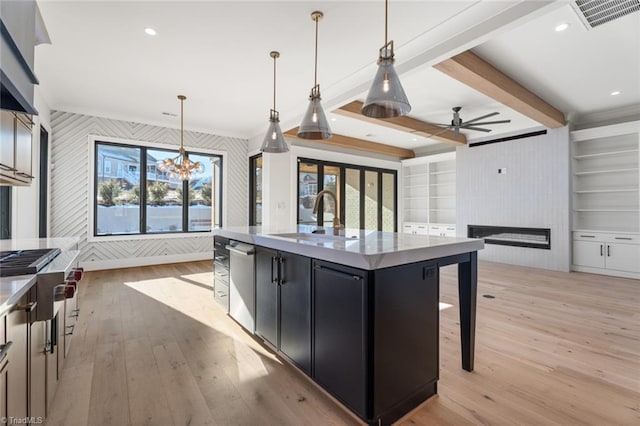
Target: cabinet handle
(339,273)
(8,168)
(608,250)
(25,175)
(281,271)
(587,236)
(273,260)
(28,307)
(72,327)
(624,238)
(601,248)
(4,350)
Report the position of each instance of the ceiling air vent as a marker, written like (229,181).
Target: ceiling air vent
(597,12)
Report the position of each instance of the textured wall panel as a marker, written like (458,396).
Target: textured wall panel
(70,183)
(533,193)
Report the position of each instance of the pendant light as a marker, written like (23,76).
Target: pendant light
(386,98)
(274,140)
(181,167)
(314,123)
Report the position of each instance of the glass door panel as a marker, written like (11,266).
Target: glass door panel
(371,200)
(388,202)
(331,182)
(352,199)
(307,190)
(256,190)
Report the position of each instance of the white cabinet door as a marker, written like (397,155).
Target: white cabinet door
(449,231)
(623,257)
(587,253)
(421,229)
(407,229)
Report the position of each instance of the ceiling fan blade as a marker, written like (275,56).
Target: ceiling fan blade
(489,122)
(480,129)
(482,117)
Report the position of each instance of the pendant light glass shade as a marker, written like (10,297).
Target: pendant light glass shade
(386,98)
(274,140)
(314,123)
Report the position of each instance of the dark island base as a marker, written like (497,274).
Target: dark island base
(367,337)
(404,407)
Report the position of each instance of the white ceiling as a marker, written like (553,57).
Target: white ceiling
(217,54)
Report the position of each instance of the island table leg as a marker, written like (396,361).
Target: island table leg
(467,294)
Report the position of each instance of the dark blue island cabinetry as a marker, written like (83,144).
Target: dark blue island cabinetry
(376,337)
(359,314)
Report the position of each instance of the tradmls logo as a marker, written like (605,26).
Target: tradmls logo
(22,420)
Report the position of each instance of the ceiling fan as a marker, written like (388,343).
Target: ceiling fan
(457,123)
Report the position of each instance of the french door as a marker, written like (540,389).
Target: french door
(366,196)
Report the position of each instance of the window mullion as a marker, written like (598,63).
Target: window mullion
(185,206)
(143,190)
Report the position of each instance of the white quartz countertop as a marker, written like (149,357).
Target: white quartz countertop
(12,289)
(68,243)
(358,248)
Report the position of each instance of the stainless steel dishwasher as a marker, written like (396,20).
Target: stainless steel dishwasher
(242,284)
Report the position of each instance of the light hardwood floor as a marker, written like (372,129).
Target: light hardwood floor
(152,348)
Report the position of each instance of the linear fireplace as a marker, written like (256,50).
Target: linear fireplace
(512,236)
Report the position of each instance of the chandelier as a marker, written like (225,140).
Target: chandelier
(181,167)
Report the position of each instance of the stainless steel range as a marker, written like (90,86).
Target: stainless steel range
(25,262)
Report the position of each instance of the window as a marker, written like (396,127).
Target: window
(366,195)
(255,190)
(128,201)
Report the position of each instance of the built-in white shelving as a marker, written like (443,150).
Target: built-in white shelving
(429,195)
(606,199)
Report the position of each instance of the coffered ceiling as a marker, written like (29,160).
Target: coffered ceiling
(101,62)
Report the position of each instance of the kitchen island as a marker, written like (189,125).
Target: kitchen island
(359,312)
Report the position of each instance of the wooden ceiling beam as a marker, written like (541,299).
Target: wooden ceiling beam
(475,72)
(404,124)
(357,144)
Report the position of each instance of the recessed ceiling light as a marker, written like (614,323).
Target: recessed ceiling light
(333,119)
(615,93)
(150,31)
(562,27)
(414,139)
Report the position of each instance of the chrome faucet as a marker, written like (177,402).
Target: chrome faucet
(336,218)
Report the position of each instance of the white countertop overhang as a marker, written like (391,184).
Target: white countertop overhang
(368,250)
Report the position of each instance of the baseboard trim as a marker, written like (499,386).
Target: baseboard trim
(610,272)
(99,265)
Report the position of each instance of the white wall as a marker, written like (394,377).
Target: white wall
(280,185)
(535,192)
(71,198)
(25,203)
